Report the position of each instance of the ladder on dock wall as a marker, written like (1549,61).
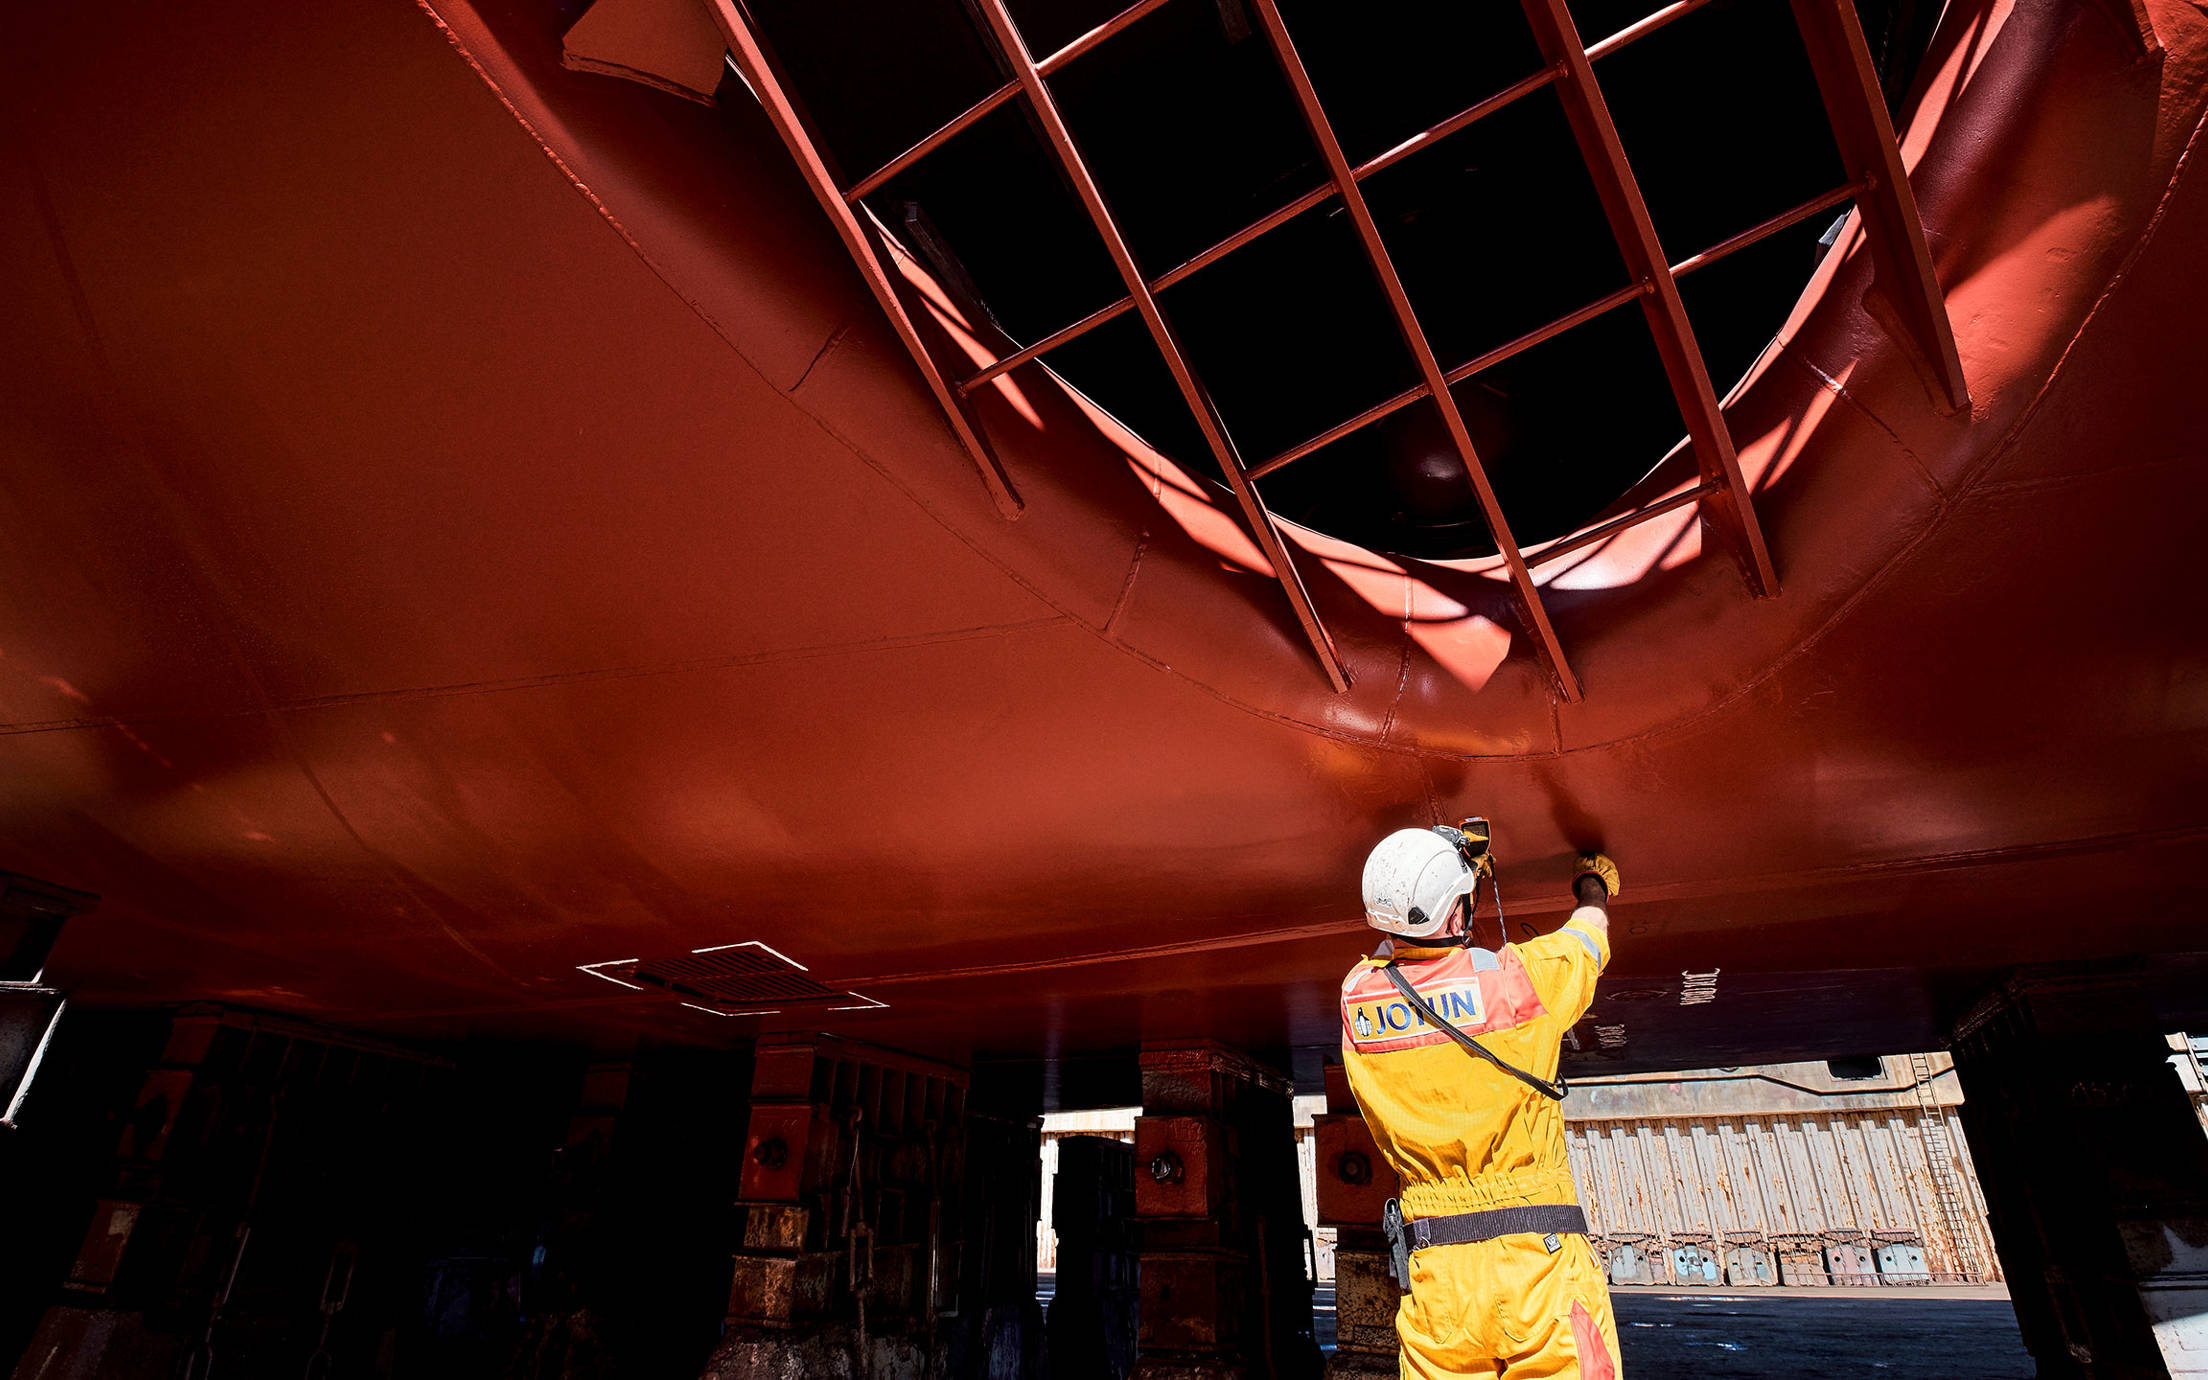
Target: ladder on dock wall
(1939,1154)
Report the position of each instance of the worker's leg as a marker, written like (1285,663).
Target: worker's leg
(1440,1321)
(1556,1321)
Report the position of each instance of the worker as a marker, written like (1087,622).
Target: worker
(1452,1052)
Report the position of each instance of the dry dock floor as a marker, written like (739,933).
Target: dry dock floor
(1893,1334)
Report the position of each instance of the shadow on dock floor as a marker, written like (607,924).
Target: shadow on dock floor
(1891,1334)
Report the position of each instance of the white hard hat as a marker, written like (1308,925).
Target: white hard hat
(1413,881)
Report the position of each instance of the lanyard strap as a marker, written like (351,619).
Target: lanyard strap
(1554,1091)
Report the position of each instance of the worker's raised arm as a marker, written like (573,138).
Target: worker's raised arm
(1596,883)
(1565,962)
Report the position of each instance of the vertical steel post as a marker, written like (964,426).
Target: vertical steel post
(1260,522)
(1414,338)
(1856,109)
(1728,510)
(758,68)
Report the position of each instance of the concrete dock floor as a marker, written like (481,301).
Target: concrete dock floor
(1950,1335)
(1915,1334)
(1928,1333)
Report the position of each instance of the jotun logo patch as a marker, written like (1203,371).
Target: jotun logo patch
(1387,1019)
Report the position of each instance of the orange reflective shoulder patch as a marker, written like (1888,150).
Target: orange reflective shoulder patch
(1471,989)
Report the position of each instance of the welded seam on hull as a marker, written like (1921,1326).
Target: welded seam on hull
(1525,912)
(1996,488)
(564,678)
(1676,891)
(1402,678)
(1127,586)
(827,348)
(1403,665)
(1840,390)
(2115,281)
(606,212)
(397,874)
(224,629)
(567,171)
(1433,800)
(1685,723)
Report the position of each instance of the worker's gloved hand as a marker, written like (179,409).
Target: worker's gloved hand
(1596,865)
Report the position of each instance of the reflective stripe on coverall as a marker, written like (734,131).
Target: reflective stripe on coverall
(1464,1136)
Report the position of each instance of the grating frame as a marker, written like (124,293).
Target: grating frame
(1877,187)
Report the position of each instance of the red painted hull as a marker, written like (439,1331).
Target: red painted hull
(464,520)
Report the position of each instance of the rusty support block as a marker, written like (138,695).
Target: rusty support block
(1223,1288)
(1354,1178)
(1180,1167)
(848,1196)
(605,1092)
(781,1291)
(2094,1169)
(1355,1182)
(1365,1302)
(1093,1310)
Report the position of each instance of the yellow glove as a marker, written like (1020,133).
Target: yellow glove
(1596,865)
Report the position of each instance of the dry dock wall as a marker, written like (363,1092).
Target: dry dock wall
(1788,1159)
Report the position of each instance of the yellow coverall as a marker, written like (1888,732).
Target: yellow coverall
(1465,1136)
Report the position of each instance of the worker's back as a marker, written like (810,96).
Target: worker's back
(1458,1087)
(1463,1134)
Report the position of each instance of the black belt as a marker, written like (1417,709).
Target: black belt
(1549,1220)
(1464,1228)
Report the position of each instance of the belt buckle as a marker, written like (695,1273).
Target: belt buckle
(1399,1246)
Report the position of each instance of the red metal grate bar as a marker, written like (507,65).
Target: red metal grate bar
(1158,284)
(1531,609)
(1260,522)
(1642,28)
(1728,509)
(1603,530)
(1459,374)
(766,81)
(967,118)
(1839,57)
(1856,109)
(1425,138)
(1761,230)
(957,125)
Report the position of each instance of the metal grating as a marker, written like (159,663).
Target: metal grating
(747,978)
(1847,83)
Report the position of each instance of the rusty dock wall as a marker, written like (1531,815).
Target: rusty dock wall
(1788,1157)
(1810,1168)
